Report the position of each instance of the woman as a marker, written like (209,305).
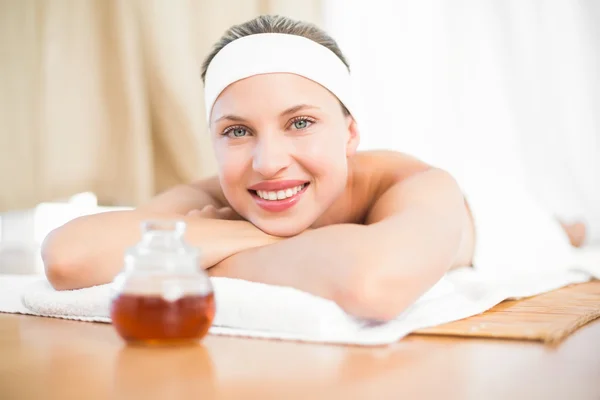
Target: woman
(294,203)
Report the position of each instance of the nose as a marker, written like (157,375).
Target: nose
(271,156)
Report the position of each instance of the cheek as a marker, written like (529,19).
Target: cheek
(324,154)
(231,163)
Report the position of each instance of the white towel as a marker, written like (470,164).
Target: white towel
(258,310)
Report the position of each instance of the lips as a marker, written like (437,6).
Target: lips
(276,185)
(278,196)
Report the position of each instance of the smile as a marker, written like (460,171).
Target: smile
(278,200)
(279,194)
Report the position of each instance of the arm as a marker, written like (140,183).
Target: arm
(416,231)
(89,250)
(183,198)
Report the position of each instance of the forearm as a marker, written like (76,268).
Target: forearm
(319,261)
(89,250)
(359,267)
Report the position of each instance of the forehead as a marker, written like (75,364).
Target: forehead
(271,93)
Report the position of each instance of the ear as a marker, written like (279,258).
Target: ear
(353,137)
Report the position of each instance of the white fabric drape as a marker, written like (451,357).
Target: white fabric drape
(505,93)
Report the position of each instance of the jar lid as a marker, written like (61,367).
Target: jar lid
(162,249)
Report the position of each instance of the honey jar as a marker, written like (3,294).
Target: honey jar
(162,297)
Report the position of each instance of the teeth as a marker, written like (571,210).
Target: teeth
(280,194)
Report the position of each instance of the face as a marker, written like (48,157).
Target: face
(282,143)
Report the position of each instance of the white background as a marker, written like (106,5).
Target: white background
(506,93)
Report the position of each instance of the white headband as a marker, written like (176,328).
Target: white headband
(275,52)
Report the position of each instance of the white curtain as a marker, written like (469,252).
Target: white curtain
(501,92)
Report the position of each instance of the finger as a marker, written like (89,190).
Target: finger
(194,213)
(205,212)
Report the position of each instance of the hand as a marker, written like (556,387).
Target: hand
(211,212)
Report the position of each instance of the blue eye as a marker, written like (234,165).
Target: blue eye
(236,132)
(302,123)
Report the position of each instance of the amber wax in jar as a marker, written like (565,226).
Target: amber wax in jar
(162,297)
(154,320)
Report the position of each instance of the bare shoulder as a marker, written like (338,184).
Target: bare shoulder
(371,174)
(385,167)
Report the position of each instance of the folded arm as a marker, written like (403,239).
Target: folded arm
(89,250)
(415,232)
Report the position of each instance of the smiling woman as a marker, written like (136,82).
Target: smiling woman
(294,203)
(282,143)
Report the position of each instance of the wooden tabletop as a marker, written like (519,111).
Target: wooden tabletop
(46,358)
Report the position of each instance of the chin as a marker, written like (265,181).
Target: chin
(281,228)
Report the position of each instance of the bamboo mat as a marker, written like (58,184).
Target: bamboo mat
(548,317)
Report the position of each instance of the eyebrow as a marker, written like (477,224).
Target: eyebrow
(297,108)
(288,111)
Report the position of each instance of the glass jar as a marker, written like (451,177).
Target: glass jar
(162,296)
